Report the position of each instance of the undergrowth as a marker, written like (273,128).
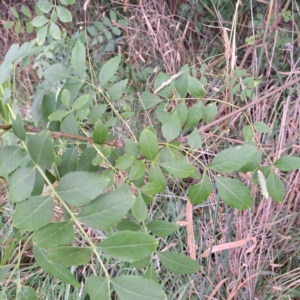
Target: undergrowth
(176,123)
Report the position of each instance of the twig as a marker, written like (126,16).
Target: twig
(59,134)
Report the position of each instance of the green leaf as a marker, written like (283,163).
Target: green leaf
(100,133)
(58,115)
(132,148)
(136,288)
(46,107)
(38,184)
(14,12)
(21,183)
(6,96)
(54,31)
(198,193)
(181,83)
(29,27)
(54,235)
(78,58)
(149,100)
(142,263)
(79,102)
(18,27)
(26,293)
(162,228)
(69,125)
(210,112)
(233,192)
(41,37)
(148,144)
(286,163)
(155,174)
(39,21)
(108,209)
(79,188)
(194,116)
(254,163)
(117,90)
(108,70)
(265,170)
(161,112)
(128,246)
(45,6)
(180,169)
(182,112)
(4,270)
(151,188)
(171,126)
(68,161)
(247,133)
(18,128)
(8,25)
(5,71)
(124,162)
(196,88)
(194,139)
(40,148)
(178,263)
(63,14)
(10,159)
(127,225)
(56,270)
(86,158)
(12,54)
(262,127)
(137,170)
(275,187)
(96,113)
(151,274)
(232,159)
(161,79)
(70,256)
(82,113)
(97,288)
(139,209)
(34,213)
(67,2)
(56,72)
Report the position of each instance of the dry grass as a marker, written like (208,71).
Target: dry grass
(156,34)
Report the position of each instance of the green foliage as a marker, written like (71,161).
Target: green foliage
(178,263)
(105,183)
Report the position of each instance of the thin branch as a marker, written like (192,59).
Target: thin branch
(61,134)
